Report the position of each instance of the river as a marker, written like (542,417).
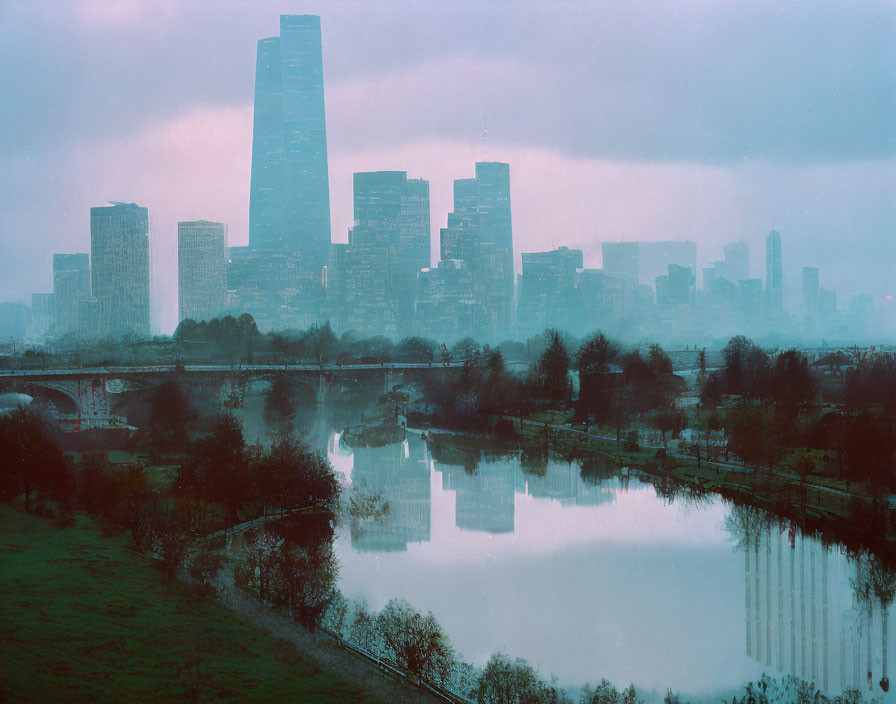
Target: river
(604,576)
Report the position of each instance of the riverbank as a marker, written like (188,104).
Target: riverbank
(817,503)
(86,619)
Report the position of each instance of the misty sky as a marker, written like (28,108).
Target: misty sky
(710,121)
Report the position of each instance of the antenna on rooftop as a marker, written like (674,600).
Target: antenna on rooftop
(484,139)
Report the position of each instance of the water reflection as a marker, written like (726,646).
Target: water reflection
(813,610)
(590,574)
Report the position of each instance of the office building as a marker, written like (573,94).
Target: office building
(386,244)
(654,258)
(480,233)
(274,288)
(620,259)
(119,252)
(737,261)
(547,289)
(71,287)
(445,307)
(774,278)
(42,315)
(810,290)
(289,201)
(201,269)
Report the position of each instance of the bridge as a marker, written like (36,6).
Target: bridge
(87,396)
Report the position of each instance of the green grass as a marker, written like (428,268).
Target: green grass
(82,618)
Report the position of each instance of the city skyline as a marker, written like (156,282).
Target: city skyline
(692,189)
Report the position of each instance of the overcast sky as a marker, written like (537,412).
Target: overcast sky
(710,121)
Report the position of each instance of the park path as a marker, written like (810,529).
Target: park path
(322,650)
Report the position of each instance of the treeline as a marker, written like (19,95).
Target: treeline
(219,477)
(615,386)
(771,410)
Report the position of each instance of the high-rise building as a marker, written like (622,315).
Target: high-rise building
(654,258)
(445,307)
(119,251)
(547,290)
(620,259)
(774,277)
(71,287)
(273,287)
(42,315)
(676,287)
(14,321)
(737,261)
(289,201)
(480,233)
(810,290)
(201,269)
(391,214)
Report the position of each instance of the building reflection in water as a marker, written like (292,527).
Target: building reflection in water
(484,490)
(813,611)
(399,473)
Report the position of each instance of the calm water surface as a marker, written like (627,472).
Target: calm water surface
(605,578)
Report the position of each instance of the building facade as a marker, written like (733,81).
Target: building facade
(289,201)
(548,296)
(378,280)
(774,276)
(119,249)
(480,233)
(201,269)
(71,287)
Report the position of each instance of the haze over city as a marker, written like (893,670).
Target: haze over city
(709,122)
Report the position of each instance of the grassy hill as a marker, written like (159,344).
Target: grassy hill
(82,618)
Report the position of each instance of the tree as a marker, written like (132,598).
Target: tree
(290,475)
(505,681)
(135,502)
(669,419)
(552,371)
(596,384)
(170,538)
(605,693)
(415,641)
(321,342)
(217,468)
(31,459)
(169,415)
(279,401)
(416,349)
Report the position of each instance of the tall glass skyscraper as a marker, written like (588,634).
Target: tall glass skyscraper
(774,275)
(388,246)
(119,252)
(289,201)
(71,286)
(480,233)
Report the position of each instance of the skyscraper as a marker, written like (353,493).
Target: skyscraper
(386,247)
(547,290)
(737,261)
(42,315)
(810,290)
(774,278)
(71,287)
(480,233)
(289,201)
(201,269)
(620,259)
(654,258)
(119,251)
